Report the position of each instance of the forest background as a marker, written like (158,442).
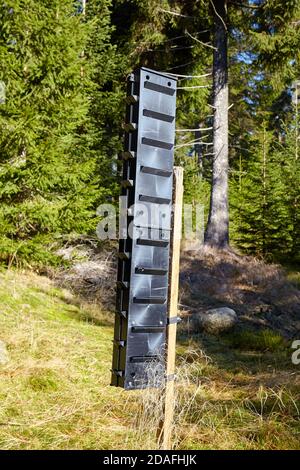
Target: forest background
(64,65)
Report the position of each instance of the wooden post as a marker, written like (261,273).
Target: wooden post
(165,427)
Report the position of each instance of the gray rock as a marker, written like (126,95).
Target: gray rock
(4,358)
(218,320)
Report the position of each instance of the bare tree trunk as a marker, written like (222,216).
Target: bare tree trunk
(217,231)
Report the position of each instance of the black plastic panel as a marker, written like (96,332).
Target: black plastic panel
(143,261)
(157,143)
(156,115)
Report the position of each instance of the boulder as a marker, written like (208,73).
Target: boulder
(217,320)
(3,354)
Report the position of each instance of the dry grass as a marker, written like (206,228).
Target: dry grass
(55,391)
(260,293)
(89,274)
(223,410)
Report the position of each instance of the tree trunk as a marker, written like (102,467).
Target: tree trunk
(217,231)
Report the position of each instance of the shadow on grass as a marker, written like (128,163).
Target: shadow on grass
(226,357)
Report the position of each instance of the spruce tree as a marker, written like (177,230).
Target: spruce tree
(290,164)
(107,68)
(260,205)
(46,180)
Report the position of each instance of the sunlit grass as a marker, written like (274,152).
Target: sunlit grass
(55,392)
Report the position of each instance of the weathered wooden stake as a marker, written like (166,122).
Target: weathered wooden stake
(165,427)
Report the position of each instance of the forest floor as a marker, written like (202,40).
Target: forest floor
(235,391)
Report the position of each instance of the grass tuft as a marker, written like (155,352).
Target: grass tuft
(43,380)
(262,340)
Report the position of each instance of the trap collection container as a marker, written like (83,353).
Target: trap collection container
(143,265)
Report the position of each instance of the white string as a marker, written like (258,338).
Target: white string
(182,65)
(195,141)
(175,13)
(177,46)
(163,42)
(189,76)
(190,142)
(172,49)
(192,87)
(190,145)
(171,39)
(194,130)
(198,138)
(182,36)
(207,44)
